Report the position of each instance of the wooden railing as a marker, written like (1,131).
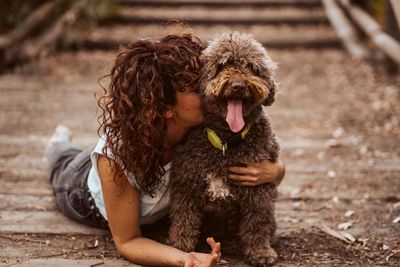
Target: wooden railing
(347,18)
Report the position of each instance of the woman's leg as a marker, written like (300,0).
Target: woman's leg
(68,178)
(58,157)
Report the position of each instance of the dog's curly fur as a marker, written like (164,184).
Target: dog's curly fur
(235,67)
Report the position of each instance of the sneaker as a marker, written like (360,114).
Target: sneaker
(61,134)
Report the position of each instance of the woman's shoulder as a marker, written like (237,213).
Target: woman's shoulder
(100,145)
(98,151)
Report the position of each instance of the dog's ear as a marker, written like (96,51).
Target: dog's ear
(271,96)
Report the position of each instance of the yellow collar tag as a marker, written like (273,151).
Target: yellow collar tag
(216,141)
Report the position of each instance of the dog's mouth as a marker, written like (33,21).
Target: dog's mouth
(234,115)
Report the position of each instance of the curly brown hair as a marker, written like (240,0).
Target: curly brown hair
(144,80)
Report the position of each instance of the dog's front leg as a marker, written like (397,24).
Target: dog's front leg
(257,227)
(185,224)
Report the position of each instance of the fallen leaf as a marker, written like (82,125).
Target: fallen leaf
(40,208)
(316,255)
(345,225)
(306,186)
(380,154)
(320,155)
(332,143)
(349,237)
(331,174)
(363,241)
(377,105)
(349,213)
(294,192)
(91,246)
(291,220)
(338,132)
(346,237)
(363,150)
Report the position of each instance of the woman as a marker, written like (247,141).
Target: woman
(151,104)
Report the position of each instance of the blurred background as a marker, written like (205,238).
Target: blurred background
(337,114)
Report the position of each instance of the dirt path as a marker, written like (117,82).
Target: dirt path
(339,124)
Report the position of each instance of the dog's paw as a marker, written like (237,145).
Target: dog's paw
(264,257)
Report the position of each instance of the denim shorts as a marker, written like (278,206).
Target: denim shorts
(70,168)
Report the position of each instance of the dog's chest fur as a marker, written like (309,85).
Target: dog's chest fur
(207,170)
(217,187)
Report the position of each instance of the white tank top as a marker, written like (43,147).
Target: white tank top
(151,208)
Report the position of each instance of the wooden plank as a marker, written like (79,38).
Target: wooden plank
(284,36)
(224,3)
(22,202)
(38,141)
(390,164)
(278,43)
(306,20)
(43,222)
(33,187)
(53,222)
(289,217)
(214,13)
(70,262)
(298,173)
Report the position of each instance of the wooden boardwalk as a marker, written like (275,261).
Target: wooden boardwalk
(337,119)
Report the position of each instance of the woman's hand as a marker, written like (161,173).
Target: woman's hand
(196,259)
(258,173)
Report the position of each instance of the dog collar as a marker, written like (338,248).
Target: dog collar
(233,141)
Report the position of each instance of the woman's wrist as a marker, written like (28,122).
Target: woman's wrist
(182,258)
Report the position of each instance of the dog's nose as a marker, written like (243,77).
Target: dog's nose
(237,86)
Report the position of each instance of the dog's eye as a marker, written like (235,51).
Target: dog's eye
(219,68)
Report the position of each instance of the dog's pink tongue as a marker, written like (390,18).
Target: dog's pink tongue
(234,116)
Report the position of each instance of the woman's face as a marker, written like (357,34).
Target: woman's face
(188,108)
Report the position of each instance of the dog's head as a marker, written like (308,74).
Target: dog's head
(237,77)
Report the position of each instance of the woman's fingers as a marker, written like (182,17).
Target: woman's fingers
(242,178)
(249,170)
(216,249)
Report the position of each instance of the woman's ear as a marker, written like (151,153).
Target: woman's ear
(169,113)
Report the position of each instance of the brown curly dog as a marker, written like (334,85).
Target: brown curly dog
(237,79)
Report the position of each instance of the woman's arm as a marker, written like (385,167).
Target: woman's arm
(258,173)
(123,212)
